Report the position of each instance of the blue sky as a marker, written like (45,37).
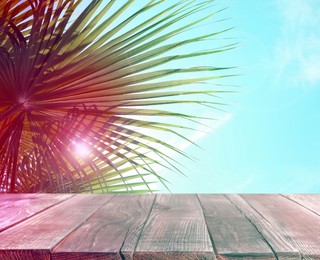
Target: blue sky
(268,138)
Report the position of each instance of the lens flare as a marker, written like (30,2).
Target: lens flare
(82,149)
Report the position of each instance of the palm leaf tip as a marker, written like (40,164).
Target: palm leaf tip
(81,86)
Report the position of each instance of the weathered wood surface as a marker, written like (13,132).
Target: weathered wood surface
(232,233)
(16,208)
(42,232)
(309,201)
(294,224)
(114,228)
(181,226)
(175,229)
(280,247)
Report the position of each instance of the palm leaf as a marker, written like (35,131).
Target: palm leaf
(97,80)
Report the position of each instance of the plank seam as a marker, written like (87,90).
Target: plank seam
(144,224)
(254,225)
(305,207)
(120,250)
(35,214)
(210,236)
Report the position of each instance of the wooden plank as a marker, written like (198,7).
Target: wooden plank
(232,233)
(24,255)
(38,235)
(280,246)
(297,225)
(19,207)
(309,201)
(293,223)
(111,233)
(175,229)
(7,199)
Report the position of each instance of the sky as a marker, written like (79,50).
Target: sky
(267,140)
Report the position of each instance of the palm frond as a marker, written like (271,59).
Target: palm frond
(95,80)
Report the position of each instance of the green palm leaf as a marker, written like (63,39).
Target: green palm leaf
(96,81)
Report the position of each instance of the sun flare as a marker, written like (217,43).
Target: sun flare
(82,149)
(87,86)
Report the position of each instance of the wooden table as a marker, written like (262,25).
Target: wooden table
(163,226)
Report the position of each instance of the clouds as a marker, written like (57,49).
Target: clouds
(297,50)
(298,11)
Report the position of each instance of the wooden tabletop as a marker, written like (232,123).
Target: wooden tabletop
(162,226)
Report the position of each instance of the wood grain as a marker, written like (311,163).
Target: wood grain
(295,224)
(232,233)
(111,233)
(105,226)
(309,201)
(25,255)
(7,199)
(175,229)
(18,207)
(280,246)
(40,233)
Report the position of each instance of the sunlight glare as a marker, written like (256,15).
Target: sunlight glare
(82,149)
